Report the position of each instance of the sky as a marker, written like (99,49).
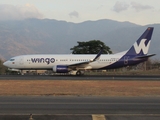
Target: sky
(141,12)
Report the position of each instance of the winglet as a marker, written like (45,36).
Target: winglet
(98,55)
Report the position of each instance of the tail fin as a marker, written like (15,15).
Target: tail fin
(141,46)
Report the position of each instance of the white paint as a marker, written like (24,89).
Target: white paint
(98,117)
(142,46)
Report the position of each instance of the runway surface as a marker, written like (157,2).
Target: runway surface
(84,108)
(78,105)
(85,77)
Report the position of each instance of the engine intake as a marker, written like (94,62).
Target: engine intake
(60,69)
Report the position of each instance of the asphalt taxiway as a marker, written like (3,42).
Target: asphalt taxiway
(78,105)
(84,106)
(84,77)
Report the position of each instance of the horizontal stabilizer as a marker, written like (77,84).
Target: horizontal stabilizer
(146,56)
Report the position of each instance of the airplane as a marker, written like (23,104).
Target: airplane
(78,63)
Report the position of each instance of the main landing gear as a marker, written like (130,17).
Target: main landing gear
(79,73)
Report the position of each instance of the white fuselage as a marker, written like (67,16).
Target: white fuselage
(47,61)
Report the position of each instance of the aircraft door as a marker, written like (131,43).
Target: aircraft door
(21,61)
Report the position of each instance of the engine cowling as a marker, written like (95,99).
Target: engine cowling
(60,69)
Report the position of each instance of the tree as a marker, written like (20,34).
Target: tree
(90,47)
(3,69)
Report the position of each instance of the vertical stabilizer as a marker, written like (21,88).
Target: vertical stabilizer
(141,46)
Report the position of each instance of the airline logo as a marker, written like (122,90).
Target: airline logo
(141,46)
(43,60)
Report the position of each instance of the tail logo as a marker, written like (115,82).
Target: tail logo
(141,46)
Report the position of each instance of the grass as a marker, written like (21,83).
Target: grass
(80,88)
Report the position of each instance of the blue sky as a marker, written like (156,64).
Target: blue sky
(136,11)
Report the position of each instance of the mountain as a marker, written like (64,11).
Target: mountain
(32,36)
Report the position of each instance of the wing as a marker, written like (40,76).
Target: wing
(84,65)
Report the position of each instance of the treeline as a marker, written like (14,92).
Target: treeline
(3,69)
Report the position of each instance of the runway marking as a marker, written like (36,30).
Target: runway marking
(98,117)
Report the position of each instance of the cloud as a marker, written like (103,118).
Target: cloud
(120,6)
(74,14)
(11,12)
(101,6)
(139,7)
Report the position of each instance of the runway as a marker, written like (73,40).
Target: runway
(84,107)
(78,105)
(85,77)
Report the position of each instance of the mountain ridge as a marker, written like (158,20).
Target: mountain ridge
(32,36)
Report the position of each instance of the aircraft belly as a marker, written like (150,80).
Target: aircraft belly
(99,65)
(38,66)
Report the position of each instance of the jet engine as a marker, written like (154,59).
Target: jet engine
(60,69)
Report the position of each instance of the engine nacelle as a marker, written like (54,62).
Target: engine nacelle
(12,69)
(60,69)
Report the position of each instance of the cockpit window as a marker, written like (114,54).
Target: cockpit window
(12,59)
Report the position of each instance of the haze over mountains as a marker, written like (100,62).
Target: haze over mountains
(32,36)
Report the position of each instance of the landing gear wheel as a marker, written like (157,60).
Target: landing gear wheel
(21,72)
(78,73)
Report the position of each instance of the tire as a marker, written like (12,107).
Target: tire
(79,73)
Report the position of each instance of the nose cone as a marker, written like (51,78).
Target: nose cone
(5,63)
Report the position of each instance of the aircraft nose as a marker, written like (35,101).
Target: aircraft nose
(5,63)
